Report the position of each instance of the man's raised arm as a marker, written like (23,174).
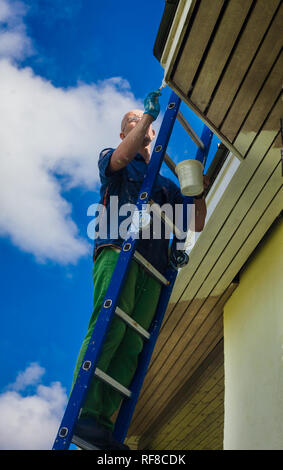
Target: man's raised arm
(133,136)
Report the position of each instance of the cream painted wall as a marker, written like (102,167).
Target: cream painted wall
(253,352)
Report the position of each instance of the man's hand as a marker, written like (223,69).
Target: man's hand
(200,207)
(205,182)
(151,104)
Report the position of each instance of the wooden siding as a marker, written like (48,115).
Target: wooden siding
(224,71)
(196,410)
(190,332)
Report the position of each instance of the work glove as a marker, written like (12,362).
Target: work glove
(151,104)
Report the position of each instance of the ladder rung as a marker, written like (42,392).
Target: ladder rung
(106,378)
(190,131)
(171,165)
(155,208)
(82,444)
(148,267)
(132,323)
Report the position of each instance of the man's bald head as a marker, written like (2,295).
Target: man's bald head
(129,122)
(128,115)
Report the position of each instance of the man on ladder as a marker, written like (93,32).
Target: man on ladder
(122,171)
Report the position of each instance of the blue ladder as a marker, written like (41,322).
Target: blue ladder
(89,368)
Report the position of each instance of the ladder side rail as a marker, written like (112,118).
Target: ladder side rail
(77,397)
(89,363)
(159,150)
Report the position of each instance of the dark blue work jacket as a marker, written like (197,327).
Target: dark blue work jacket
(126,184)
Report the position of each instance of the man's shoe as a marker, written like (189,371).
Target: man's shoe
(116,445)
(89,430)
(94,433)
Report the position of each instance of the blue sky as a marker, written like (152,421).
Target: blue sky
(68,72)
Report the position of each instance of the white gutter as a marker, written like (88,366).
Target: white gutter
(175,35)
(216,192)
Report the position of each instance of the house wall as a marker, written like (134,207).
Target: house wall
(253,351)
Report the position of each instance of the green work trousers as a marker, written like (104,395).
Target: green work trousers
(122,346)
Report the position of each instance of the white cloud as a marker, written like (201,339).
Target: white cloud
(14,41)
(30,376)
(46,130)
(31,422)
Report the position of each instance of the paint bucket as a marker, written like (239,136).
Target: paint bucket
(190,175)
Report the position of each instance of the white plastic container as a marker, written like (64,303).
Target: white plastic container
(190,175)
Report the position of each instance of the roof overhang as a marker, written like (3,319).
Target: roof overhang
(217,56)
